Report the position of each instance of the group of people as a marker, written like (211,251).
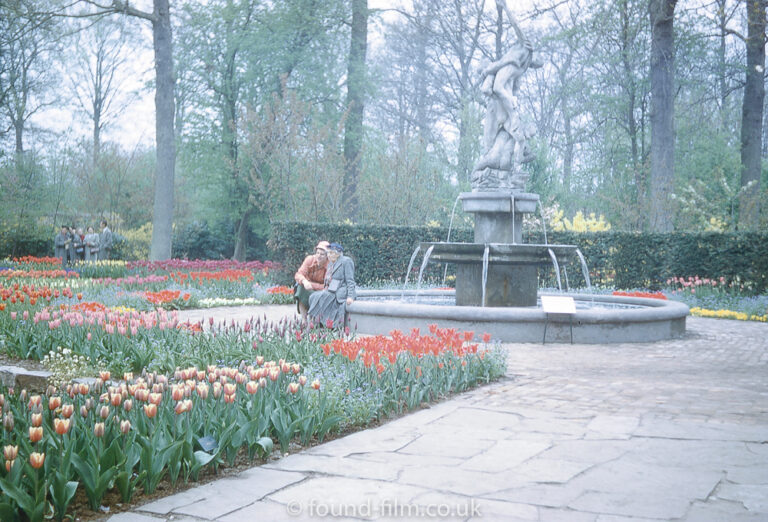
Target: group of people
(72,245)
(325,285)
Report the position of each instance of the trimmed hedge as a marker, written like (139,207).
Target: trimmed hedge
(381,253)
(625,260)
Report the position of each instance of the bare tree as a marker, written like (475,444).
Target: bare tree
(97,75)
(26,69)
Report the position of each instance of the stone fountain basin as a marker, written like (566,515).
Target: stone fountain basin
(648,319)
(499,253)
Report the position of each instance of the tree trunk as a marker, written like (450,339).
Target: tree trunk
(662,114)
(96,138)
(18,126)
(752,117)
(353,127)
(241,237)
(162,219)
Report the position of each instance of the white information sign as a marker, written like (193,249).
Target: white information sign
(558,304)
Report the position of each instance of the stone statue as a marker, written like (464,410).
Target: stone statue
(505,136)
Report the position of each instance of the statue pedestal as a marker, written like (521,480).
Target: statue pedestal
(498,219)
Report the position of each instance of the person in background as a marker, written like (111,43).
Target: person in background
(329,307)
(78,243)
(91,245)
(105,242)
(310,277)
(60,244)
(71,246)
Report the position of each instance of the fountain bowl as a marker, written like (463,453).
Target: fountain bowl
(599,319)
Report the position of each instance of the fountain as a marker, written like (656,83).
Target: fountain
(497,275)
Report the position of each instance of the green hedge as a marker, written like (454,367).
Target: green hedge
(28,241)
(381,253)
(623,260)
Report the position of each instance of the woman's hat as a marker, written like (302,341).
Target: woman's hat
(322,245)
(337,247)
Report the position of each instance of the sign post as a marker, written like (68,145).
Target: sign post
(558,304)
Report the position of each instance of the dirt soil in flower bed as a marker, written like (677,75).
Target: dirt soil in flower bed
(27,364)
(80,509)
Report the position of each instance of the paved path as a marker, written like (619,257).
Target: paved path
(675,430)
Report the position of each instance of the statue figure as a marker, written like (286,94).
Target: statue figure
(505,136)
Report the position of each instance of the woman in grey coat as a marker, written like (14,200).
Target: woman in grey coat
(91,245)
(329,306)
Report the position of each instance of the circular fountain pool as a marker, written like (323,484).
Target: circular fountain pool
(598,318)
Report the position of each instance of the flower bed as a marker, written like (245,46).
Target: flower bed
(192,396)
(129,434)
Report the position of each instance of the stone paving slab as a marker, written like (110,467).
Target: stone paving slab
(673,430)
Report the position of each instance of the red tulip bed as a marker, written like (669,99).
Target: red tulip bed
(138,398)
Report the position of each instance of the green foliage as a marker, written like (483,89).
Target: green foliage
(197,240)
(29,239)
(635,260)
(137,242)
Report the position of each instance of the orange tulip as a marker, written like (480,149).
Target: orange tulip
(115,399)
(202,391)
(37,419)
(67,410)
(98,429)
(128,405)
(177,392)
(36,434)
(37,460)
(34,400)
(61,426)
(150,410)
(9,465)
(230,389)
(54,402)
(155,398)
(316,384)
(83,389)
(229,399)
(104,375)
(303,380)
(125,427)
(252,387)
(293,387)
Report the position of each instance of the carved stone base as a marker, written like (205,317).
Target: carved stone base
(498,179)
